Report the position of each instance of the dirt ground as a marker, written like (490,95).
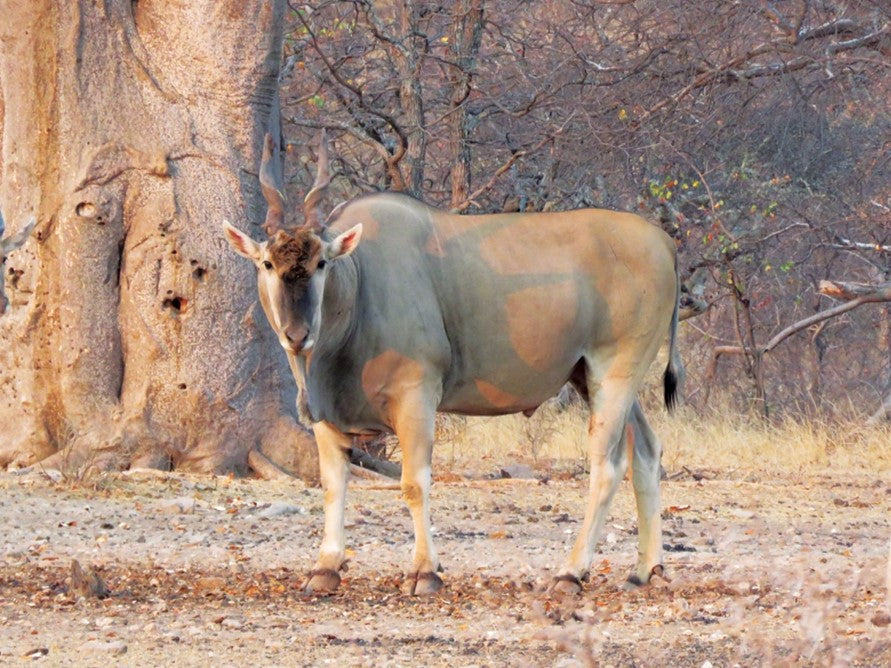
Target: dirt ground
(764,570)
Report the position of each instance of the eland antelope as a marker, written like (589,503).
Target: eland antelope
(8,245)
(469,314)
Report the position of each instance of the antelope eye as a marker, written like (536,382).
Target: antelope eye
(321,264)
(267,264)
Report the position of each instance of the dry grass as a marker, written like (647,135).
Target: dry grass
(550,434)
(721,440)
(727,440)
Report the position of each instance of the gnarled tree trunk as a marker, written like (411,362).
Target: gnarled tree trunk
(131,130)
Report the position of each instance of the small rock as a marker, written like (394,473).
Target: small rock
(210,584)
(280,508)
(881,619)
(86,582)
(54,475)
(517,471)
(184,505)
(115,647)
(36,653)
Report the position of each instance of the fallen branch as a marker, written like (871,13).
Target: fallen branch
(368,474)
(362,459)
(266,468)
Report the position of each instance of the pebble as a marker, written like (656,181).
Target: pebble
(184,505)
(112,646)
(280,508)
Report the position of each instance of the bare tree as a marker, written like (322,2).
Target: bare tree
(752,132)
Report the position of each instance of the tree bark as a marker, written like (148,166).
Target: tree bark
(131,130)
(464,46)
(407,60)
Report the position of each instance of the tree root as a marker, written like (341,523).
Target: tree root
(266,469)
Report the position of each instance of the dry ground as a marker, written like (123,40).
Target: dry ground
(766,568)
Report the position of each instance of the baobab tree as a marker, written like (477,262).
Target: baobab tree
(130,131)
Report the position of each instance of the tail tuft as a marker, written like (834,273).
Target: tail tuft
(674,372)
(670,384)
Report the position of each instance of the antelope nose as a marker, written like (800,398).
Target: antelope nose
(297,337)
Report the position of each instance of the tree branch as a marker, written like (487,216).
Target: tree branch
(855,294)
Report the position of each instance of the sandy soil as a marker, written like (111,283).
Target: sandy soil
(206,571)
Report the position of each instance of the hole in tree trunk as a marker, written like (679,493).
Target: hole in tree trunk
(176,304)
(86,210)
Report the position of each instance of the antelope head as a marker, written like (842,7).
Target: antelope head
(14,242)
(292,263)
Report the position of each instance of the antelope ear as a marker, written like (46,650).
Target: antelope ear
(241,243)
(18,239)
(344,244)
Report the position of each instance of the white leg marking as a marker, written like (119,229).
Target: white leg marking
(334,471)
(610,403)
(645,478)
(414,428)
(424,557)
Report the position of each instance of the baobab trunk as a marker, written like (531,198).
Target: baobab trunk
(130,130)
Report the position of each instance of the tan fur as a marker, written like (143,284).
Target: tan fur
(295,256)
(496,396)
(530,331)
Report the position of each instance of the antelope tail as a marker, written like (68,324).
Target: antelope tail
(674,372)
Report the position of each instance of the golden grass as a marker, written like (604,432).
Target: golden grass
(721,440)
(726,440)
(548,434)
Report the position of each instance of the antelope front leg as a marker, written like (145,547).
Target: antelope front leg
(334,468)
(414,425)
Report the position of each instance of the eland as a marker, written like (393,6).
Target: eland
(391,310)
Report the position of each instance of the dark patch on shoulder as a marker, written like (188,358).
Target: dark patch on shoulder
(297,255)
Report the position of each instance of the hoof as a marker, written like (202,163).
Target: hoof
(423,584)
(566,584)
(321,580)
(635,582)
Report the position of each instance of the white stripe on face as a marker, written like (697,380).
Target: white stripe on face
(274,294)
